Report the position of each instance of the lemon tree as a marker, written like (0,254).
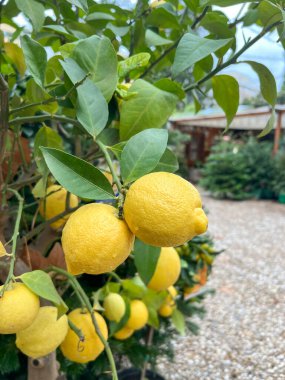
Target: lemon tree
(93,209)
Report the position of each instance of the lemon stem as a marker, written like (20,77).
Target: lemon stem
(115,276)
(83,296)
(14,241)
(110,164)
(77,331)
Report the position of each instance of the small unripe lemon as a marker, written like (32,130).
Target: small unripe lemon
(114,306)
(19,307)
(167,270)
(164,210)
(55,203)
(138,315)
(95,240)
(44,335)
(169,304)
(124,333)
(83,352)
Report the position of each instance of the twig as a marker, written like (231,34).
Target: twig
(75,284)
(40,118)
(110,164)
(234,57)
(14,241)
(52,99)
(199,18)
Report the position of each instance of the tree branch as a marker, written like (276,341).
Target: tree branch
(234,58)
(40,118)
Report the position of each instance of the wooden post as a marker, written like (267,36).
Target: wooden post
(45,368)
(277,132)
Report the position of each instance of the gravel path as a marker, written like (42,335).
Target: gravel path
(243,334)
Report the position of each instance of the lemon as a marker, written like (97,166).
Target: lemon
(55,203)
(124,333)
(2,250)
(114,306)
(18,308)
(44,335)
(95,240)
(164,210)
(167,270)
(88,350)
(138,315)
(169,305)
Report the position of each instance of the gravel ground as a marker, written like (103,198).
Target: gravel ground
(243,334)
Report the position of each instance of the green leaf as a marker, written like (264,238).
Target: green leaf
(132,289)
(82,4)
(109,136)
(98,56)
(92,108)
(15,53)
(146,258)
(169,85)
(118,148)
(41,284)
(269,13)
(100,16)
(225,3)
(154,39)
(45,136)
(36,59)
(191,49)
(167,163)
(269,125)
(149,109)
(134,62)
(9,355)
(178,321)
(77,176)
(162,18)
(35,93)
(34,10)
(267,82)
(142,153)
(153,319)
(226,93)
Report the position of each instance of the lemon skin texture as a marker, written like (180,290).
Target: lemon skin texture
(54,204)
(124,333)
(44,335)
(91,348)
(2,250)
(19,307)
(164,210)
(114,306)
(95,240)
(169,304)
(138,315)
(167,270)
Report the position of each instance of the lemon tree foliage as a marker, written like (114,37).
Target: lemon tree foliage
(86,91)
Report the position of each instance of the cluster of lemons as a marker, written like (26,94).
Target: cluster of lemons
(161,209)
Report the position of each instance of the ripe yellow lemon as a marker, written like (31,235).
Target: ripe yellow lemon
(169,304)
(114,306)
(88,350)
(18,308)
(167,270)
(164,210)
(138,315)
(2,250)
(54,204)
(124,333)
(44,335)
(95,240)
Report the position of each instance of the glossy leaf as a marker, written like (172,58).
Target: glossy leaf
(77,176)
(154,39)
(225,3)
(132,289)
(267,81)
(150,108)
(167,163)
(45,136)
(269,125)
(226,93)
(41,284)
(36,59)
(134,62)
(15,53)
(142,153)
(98,56)
(146,258)
(192,48)
(178,321)
(169,85)
(34,10)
